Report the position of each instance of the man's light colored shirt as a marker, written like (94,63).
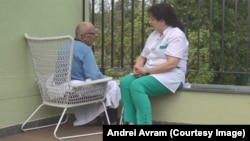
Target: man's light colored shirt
(84,65)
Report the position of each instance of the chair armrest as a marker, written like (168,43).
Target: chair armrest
(91,82)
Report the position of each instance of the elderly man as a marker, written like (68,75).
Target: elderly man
(84,68)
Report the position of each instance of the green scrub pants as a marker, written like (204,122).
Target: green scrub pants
(135,92)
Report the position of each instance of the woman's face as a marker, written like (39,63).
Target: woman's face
(154,23)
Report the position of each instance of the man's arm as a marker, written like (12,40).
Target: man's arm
(90,67)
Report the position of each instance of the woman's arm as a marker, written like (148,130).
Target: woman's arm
(171,63)
(140,61)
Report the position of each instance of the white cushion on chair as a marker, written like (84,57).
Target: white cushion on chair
(55,91)
(113,94)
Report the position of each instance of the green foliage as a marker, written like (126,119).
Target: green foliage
(199,64)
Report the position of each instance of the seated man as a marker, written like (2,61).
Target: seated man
(84,67)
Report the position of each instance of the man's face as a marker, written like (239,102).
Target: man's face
(90,36)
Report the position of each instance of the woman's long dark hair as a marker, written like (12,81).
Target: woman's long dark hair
(164,11)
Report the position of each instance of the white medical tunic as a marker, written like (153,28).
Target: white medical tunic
(174,43)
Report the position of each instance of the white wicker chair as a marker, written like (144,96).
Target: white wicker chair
(52,57)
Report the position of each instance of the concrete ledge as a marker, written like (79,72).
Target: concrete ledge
(218,88)
(204,104)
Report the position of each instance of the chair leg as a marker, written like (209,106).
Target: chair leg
(121,117)
(60,122)
(106,112)
(38,127)
(72,136)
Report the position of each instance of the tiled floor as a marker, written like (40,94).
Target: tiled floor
(47,134)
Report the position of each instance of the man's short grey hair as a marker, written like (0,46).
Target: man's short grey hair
(81,28)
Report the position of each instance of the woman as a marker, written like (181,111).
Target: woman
(159,69)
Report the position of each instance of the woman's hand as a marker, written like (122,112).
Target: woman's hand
(138,71)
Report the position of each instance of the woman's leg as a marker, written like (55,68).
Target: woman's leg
(129,109)
(141,89)
(135,92)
